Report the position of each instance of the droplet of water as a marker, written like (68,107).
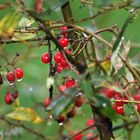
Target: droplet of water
(61,123)
(19,80)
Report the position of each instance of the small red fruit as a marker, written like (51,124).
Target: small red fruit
(60,119)
(10,76)
(64,28)
(120,103)
(70,83)
(107,92)
(79,101)
(62,88)
(59,68)
(1,80)
(71,113)
(136,97)
(57,57)
(138,107)
(119,109)
(15,95)
(47,102)
(45,58)
(90,122)
(77,137)
(19,73)
(63,42)
(8,98)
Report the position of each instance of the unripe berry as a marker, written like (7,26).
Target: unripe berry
(8,98)
(45,58)
(10,76)
(19,73)
(63,42)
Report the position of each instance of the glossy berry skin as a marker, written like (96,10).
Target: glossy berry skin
(64,28)
(45,58)
(138,107)
(60,119)
(57,57)
(77,137)
(47,102)
(119,109)
(89,122)
(59,68)
(120,103)
(8,98)
(10,76)
(63,42)
(136,97)
(19,73)
(62,88)
(70,83)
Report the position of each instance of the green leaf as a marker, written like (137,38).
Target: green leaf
(24,114)
(61,105)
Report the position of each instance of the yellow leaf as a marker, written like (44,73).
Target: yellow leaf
(106,65)
(7,25)
(24,114)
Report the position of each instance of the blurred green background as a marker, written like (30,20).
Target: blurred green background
(33,88)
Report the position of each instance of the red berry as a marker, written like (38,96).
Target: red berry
(63,42)
(90,122)
(8,98)
(1,80)
(45,58)
(15,95)
(78,101)
(107,92)
(64,63)
(57,57)
(19,73)
(119,109)
(47,102)
(62,88)
(64,28)
(77,137)
(68,52)
(71,113)
(120,103)
(60,119)
(10,77)
(138,107)
(136,97)
(59,68)
(70,83)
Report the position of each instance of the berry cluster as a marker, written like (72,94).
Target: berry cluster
(89,135)
(118,106)
(71,112)
(10,97)
(12,76)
